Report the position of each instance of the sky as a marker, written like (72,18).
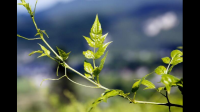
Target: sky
(41,5)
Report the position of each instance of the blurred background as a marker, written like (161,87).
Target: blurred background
(142,31)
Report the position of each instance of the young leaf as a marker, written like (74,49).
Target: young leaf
(149,84)
(63,54)
(166,60)
(136,85)
(101,50)
(88,75)
(180,47)
(41,55)
(168,81)
(160,70)
(88,67)
(43,31)
(96,27)
(160,89)
(46,52)
(176,57)
(88,54)
(103,61)
(38,51)
(89,41)
(96,71)
(107,94)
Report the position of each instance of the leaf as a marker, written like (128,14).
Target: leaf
(136,85)
(149,84)
(160,70)
(46,52)
(168,80)
(96,27)
(161,88)
(63,54)
(180,47)
(96,71)
(101,50)
(88,54)
(88,75)
(103,61)
(41,55)
(107,94)
(89,41)
(176,57)
(38,51)
(88,67)
(166,60)
(43,31)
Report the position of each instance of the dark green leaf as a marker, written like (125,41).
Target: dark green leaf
(103,61)
(88,54)
(88,67)
(96,71)
(166,60)
(160,70)
(101,50)
(63,54)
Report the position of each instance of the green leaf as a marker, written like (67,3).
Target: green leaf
(96,27)
(136,85)
(101,50)
(43,31)
(89,41)
(168,80)
(38,51)
(41,55)
(180,47)
(88,67)
(88,54)
(161,88)
(166,60)
(46,52)
(107,94)
(96,71)
(176,57)
(160,70)
(149,84)
(103,61)
(88,75)
(63,54)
